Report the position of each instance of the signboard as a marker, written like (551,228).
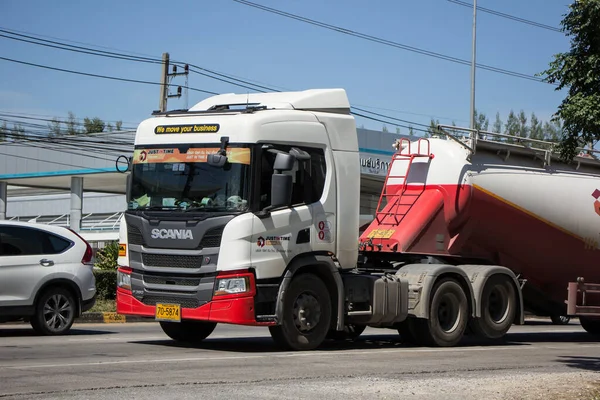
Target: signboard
(373,164)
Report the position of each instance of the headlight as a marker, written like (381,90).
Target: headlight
(232,286)
(124,279)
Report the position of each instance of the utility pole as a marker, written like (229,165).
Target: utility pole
(165,82)
(472,119)
(162,105)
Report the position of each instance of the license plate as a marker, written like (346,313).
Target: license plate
(168,312)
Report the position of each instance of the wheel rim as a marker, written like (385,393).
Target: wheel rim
(57,312)
(307,312)
(448,313)
(498,304)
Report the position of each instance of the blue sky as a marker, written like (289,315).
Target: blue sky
(238,40)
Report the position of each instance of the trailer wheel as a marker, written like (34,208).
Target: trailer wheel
(306,314)
(188,331)
(590,325)
(448,316)
(498,308)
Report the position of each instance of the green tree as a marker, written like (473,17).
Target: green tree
(497,128)
(432,130)
(54,127)
(93,125)
(523,128)
(106,257)
(536,130)
(4,132)
(512,126)
(109,127)
(481,121)
(17,132)
(118,125)
(578,70)
(71,125)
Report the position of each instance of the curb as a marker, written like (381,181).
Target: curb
(109,318)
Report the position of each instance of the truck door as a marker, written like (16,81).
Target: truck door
(290,231)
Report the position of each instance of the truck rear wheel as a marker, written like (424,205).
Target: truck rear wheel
(591,325)
(306,314)
(448,316)
(498,308)
(188,331)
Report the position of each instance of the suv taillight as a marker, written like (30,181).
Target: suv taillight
(89,253)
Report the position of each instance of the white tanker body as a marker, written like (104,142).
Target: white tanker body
(497,203)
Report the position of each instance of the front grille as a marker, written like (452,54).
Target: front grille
(212,237)
(152,300)
(159,280)
(171,261)
(134,236)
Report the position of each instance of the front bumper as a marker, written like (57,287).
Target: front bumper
(238,311)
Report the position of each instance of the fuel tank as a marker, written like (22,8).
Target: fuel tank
(507,204)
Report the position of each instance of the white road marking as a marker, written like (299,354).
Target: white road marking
(295,354)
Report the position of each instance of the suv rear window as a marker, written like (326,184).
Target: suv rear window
(21,241)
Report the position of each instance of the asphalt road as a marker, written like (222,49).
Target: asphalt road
(100,361)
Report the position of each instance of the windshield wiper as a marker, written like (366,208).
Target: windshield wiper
(204,208)
(154,208)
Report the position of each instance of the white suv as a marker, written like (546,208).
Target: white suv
(45,276)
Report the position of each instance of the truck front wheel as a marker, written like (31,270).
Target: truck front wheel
(188,331)
(306,314)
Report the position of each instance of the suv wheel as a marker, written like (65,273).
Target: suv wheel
(54,312)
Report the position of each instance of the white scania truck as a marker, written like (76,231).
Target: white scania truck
(244,209)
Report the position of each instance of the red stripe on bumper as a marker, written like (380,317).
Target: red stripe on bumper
(238,311)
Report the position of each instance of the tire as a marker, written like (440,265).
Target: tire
(406,329)
(448,316)
(308,294)
(188,331)
(560,319)
(351,332)
(498,308)
(54,312)
(590,325)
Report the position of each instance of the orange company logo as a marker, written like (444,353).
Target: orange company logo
(596,195)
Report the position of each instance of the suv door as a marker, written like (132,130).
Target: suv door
(27,259)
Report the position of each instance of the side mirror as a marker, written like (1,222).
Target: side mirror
(128,188)
(284,162)
(281,190)
(216,160)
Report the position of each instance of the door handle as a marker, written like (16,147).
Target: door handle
(46,262)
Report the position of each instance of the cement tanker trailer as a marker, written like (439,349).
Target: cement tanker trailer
(467,197)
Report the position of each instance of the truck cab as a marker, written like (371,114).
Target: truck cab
(231,199)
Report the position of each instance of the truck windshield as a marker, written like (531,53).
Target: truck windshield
(182,179)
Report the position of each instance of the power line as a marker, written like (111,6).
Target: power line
(51,120)
(194,68)
(388,42)
(97,75)
(508,16)
(47,117)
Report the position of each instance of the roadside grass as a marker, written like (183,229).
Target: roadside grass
(104,306)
